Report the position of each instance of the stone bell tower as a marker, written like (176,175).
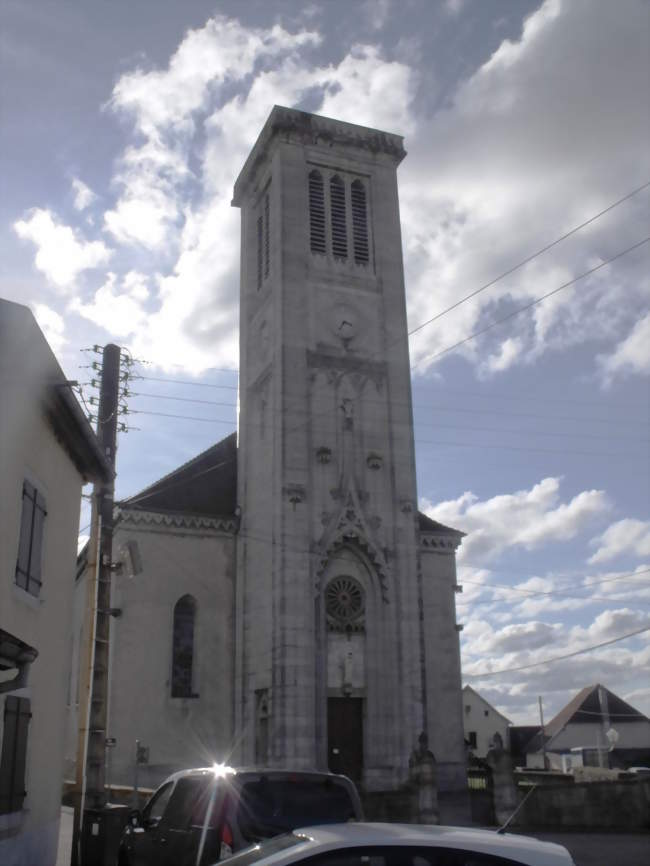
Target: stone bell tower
(332,646)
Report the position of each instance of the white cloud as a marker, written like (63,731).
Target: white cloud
(632,355)
(165,106)
(83,195)
(52,325)
(62,254)
(508,167)
(628,537)
(525,519)
(119,311)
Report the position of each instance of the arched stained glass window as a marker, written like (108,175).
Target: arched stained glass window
(316,213)
(339,225)
(359,222)
(183,647)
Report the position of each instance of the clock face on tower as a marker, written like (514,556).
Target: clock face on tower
(344,322)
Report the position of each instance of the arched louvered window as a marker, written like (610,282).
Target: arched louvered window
(339,226)
(359,222)
(316,213)
(183,647)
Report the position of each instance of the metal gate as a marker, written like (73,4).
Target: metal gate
(481,797)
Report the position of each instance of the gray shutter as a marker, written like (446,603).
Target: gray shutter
(338,218)
(37,545)
(14,754)
(24,542)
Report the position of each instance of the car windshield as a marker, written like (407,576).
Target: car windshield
(271,806)
(265,849)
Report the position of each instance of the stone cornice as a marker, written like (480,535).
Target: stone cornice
(431,542)
(300,127)
(168,520)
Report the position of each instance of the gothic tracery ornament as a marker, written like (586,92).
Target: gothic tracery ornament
(344,602)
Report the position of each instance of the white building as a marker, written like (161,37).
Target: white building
(47,451)
(295,608)
(482,723)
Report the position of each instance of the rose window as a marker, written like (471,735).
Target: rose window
(344,602)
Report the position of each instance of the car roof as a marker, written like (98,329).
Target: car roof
(522,848)
(224,772)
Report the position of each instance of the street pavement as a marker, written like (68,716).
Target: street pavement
(590,848)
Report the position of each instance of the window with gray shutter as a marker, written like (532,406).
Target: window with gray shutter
(14,754)
(316,213)
(338,220)
(359,222)
(183,647)
(30,543)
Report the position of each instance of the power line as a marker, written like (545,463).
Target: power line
(558,658)
(529,592)
(529,258)
(186,382)
(437,424)
(182,399)
(531,304)
(439,442)
(627,576)
(183,417)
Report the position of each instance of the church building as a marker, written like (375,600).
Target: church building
(294,607)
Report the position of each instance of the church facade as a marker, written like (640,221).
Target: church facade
(294,608)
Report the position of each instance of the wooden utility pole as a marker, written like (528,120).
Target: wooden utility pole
(541,720)
(93,698)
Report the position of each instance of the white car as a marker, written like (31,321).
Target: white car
(401,845)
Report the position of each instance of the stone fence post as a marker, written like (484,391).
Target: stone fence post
(503,783)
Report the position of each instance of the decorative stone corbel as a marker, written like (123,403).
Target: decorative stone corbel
(374,460)
(295,493)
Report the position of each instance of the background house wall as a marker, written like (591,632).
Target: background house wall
(29,449)
(481,722)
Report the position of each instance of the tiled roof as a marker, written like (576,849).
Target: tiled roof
(585,707)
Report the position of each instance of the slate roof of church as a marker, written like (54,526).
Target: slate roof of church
(426,524)
(205,485)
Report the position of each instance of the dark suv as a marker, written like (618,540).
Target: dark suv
(201,816)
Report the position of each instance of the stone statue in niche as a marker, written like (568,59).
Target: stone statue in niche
(347,407)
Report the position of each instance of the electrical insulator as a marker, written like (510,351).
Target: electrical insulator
(96,365)
(93,400)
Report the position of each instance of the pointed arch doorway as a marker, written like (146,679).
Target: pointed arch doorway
(345,736)
(345,610)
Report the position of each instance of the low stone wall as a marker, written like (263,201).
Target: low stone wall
(621,805)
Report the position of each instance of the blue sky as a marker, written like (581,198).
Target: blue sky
(123,129)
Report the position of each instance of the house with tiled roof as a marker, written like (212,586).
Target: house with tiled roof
(584,724)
